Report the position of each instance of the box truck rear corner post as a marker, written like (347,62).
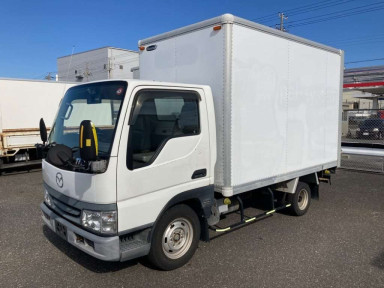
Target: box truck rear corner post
(143,167)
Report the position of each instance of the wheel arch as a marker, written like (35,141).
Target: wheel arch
(200,200)
(313,181)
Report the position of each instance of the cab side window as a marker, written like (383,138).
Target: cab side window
(156,117)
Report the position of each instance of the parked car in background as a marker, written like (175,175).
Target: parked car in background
(371,128)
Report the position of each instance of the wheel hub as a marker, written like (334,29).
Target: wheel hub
(303,199)
(177,238)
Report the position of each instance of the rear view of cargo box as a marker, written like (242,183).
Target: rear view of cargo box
(277,97)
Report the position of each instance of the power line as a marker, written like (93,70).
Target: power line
(333,18)
(364,38)
(322,7)
(360,61)
(339,12)
(344,46)
(317,6)
(263,18)
(323,17)
(371,41)
(351,13)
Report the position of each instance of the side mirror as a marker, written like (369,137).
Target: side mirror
(88,141)
(43,131)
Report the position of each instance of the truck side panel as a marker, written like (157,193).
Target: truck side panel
(259,102)
(285,104)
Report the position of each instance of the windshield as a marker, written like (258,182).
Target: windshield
(98,102)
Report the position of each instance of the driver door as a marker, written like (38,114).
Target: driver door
(164,143)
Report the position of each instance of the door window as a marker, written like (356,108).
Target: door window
(158,116)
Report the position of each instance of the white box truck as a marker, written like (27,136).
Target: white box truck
(22,104)
(138,168)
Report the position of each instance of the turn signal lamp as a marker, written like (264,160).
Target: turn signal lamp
(142,48)
(217,28)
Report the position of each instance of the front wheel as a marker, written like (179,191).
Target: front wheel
(175,238)
(300,200)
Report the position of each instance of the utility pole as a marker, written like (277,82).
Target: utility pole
(282,18)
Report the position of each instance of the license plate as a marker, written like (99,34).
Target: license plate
(365,134)
(61,230)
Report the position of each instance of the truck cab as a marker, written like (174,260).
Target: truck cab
(154,154)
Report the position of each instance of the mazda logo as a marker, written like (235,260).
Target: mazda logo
(59,180)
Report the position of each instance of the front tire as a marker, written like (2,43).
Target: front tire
(300,200)
(175,238)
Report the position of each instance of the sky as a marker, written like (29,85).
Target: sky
(34,34)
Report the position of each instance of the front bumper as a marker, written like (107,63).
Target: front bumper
(104,248)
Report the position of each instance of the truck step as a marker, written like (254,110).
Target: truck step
(133,248)
(131,245)
(247,220)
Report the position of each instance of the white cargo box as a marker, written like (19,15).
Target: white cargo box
(22,104)
(277,97)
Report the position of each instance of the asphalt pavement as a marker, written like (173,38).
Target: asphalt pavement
(338,243)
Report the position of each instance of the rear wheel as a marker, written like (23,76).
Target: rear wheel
(175,238)
(300,200)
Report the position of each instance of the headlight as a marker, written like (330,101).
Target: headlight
(102,222)
(375,129)
(358,129)
(47,198)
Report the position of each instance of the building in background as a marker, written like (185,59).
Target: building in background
(363,99)
(98,64)
(363,88)
(356,100)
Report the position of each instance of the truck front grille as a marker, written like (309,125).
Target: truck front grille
(67,211)
(65,208)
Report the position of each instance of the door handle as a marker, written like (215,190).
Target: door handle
(199,173)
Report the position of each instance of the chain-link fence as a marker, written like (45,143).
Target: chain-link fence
(363,140)
(363,126)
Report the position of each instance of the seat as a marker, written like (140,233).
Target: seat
(188,121)
(142,133)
